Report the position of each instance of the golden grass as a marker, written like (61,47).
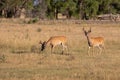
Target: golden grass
(17,40)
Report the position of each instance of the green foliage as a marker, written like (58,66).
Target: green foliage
(104,6)
(90,8)
(50,9)
(86,9)
(70,7)
(29,5)
(115,6)
(11,7)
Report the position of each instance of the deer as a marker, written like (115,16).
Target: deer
(94,41)
(53,42)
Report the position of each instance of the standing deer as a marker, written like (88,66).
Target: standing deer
(94,41)
(53,42)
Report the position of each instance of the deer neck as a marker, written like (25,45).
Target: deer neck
(48,43)
(89,40)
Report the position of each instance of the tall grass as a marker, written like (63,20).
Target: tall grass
(21,58)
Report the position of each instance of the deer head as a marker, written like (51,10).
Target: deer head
(87,32)
(43,45)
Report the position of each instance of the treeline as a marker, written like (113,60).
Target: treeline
(49,9)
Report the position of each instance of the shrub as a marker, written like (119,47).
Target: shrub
(39,30)
(35,49)
(2,58)
(34,20)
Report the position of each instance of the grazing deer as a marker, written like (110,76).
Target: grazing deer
(94,41)
(54,41)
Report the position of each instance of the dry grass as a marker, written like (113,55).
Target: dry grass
(20,58)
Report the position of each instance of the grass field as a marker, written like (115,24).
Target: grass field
(20,58)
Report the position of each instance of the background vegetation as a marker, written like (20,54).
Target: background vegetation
(49,9)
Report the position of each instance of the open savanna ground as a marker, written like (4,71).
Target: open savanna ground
(21,58)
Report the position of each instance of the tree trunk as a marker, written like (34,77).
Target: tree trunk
(56,13)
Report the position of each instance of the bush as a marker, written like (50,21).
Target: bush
(34,20)
(35,49)
(2,58)
(39,30)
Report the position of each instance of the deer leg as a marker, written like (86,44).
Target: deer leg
(89,50)
(93,50)
(100,49)
(64,47)
(104,48)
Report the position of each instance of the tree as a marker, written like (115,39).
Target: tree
(84,9)
(11,8)
(104,6)
(70,8)
(67,7)
(89,9)
(58,4)
(115,6)
(50,9)
(39,9)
